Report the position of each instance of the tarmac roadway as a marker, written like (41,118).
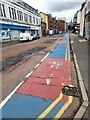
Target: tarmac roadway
(47,74)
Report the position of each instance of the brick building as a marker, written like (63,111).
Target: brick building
(60,25)
(51,22)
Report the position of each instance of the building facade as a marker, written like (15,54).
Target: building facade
(51,22)
(44,18)
(17,17)
(43,28)
(62,21)
(60,25)
(85,20)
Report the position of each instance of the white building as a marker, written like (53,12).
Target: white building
(85,20)
(79,17)
(17,16)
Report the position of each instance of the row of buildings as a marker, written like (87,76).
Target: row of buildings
(52,23)
(16,16)
(82,20)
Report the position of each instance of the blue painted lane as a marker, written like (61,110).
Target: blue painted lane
(60,48)
(59,51)
(56,55)
(24,106)
(65,38)
(55,110)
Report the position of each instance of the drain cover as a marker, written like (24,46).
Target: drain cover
(71,91)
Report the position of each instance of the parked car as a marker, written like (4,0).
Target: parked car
(60,31)
(36,36)
(25,37)
(50,32)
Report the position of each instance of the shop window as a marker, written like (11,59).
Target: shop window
(3,34)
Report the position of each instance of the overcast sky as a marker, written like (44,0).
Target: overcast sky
(57,8)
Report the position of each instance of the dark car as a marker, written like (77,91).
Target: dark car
(36,36)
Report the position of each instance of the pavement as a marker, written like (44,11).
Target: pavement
(41,94)
(81,50)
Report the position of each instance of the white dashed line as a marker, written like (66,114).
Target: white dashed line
(28,75)
(10,95)
(37,65)
(45,57)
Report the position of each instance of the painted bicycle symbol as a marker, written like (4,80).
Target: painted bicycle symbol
(55,64)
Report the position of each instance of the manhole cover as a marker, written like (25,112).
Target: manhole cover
(71,91)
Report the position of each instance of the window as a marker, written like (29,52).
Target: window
(20,15)
(25,17)
(12,13)
(37,21)
(1,14)
(30,18)
(34,20)
(2,10)
(4,15)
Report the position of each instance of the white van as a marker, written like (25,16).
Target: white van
(25,37)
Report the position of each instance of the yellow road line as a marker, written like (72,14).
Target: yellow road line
(50,107)
(58,115)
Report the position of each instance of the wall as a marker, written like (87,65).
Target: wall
(78,17)
(44,18)
(82,21)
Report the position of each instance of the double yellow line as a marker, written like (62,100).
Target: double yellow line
(58,115)
(70,98)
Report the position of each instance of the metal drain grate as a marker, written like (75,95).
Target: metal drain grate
(71,91)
